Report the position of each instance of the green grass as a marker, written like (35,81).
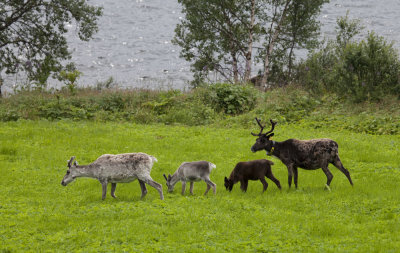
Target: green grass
(38,214)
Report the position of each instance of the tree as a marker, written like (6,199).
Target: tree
(219,35)
(277,20)
(32,33)
(303,27)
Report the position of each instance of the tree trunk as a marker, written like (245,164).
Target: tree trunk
(271,44)
(235,68)
(250,46)
(291,55)
(1,84)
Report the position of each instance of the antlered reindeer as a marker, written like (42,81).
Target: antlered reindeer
(122,168)
(306,154)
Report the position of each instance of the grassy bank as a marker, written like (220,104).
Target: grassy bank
(38,214)
(222,105)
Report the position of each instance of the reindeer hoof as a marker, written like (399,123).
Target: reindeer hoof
(327,188)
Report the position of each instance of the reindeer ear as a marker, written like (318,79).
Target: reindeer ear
(169,177)
(226,180)
(70,161)
(270,135)
(75,163)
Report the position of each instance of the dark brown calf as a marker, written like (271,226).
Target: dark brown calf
(251,170)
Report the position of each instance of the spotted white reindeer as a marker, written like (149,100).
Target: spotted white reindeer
(192,172)
(121,168)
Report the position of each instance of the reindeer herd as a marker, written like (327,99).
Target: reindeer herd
(124,168)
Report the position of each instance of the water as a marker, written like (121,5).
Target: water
(134,46)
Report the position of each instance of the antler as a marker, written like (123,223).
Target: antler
(70,161)
(272,126)
(261,126)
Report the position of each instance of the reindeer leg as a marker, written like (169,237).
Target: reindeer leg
(338,164)
(245,184)
(273,179)
(295,172)
(329,176)
(208,188)
(290,174)
(242,185)
(191,187)
(143,188)
(113,187)
(155,185)
(265,184)
(210,184)
(183,187)
(104,189)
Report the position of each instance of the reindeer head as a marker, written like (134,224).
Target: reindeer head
(228,184)
(71,172)
(169,184)
(263,141)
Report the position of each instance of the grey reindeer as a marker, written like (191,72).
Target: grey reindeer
(192,172)
(121,168)
(306,154)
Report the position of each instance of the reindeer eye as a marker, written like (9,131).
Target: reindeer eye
(67,172)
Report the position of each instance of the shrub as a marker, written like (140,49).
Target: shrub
(113,102)
(368,70)
(315,73)
(365,70)
(229,98)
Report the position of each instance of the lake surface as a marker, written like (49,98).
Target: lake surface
(134,47)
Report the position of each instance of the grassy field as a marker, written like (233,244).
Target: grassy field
(38,214)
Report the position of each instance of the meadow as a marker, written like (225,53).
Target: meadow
(38,214)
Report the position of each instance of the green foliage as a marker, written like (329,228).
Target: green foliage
(209,36)
(40,75)
(38,214)
(220,104)
(38,28)
(365,70)
(346,30)
(57,110)
(69,76)
(217,37)
(368,70)
(230,98)
(316,73)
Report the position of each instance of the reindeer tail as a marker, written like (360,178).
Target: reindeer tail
(153,158)
(213,166)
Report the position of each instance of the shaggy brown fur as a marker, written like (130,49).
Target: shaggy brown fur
(305,154)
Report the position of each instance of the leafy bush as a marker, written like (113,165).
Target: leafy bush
(316,72)
(55,110)
(365,70)
(230,98)
(288,105)
(114,102)
(368,70)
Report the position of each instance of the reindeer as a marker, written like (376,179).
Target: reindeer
(306,154)
(251,170)
(122,168)
(192,172)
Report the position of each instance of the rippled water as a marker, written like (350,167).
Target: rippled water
(134,46)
